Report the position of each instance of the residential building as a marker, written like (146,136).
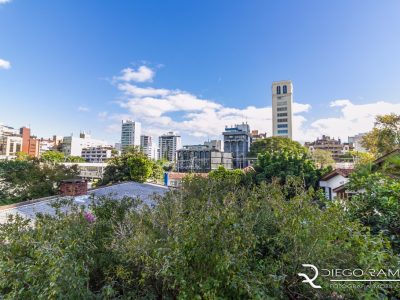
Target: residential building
(97,154)
(282,99)
(73,145)
(30,144)
(10,142)
(130,134)
(168,144)
(215,144)
(7,130)
(148,147)
(255,135)
(336,147)
(334,182)
(237,140)
(356,142)
(202,159)
(49,144)
(10,146)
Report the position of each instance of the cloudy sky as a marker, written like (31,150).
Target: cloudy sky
(196,66)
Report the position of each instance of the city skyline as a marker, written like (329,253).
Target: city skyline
(198,82)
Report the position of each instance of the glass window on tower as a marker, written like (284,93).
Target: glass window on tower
(285,89)
(278,90)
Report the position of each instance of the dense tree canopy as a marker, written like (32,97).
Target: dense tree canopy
(212,239)
(377,203)
(275,144)
(131,165)
(322,158)
(29,179)
(53,156)
(385,136)
(282,158)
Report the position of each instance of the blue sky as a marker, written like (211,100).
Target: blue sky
(211,63)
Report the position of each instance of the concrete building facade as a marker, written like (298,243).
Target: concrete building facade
(148,147)
(168,144)
(202,159)
(97,154)
(282,99)
(130,134)
(237,140)
(73,145)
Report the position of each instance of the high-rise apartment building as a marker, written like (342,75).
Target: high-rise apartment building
(148,147)
(130,134)
(237,140)
(282,99)
(168,144)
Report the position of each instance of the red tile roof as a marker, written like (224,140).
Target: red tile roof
(343,172)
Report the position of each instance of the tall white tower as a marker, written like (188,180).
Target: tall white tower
(130,134)
(282,99)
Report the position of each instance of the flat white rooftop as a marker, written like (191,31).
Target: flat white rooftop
(144,191)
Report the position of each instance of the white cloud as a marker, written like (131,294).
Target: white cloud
(161,110)
(352,118)
(4,64)
(83,109)
(103,115)
(142,74)
(4,1)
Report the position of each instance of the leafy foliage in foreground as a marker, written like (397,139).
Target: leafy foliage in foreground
(29,179)
(377,203)
(213,239)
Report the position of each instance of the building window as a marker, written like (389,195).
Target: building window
(282,103)
(282,120)
(282,114)
(285,89)
(282,125)
(282,132)
(282,109)
(278,90)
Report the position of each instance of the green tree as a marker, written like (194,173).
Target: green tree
(361,158)
(377,203)
(53,156)
(275,144)
(23,180)
(75,159)
(21,156)
(385,136)
(322,158)
(131,165)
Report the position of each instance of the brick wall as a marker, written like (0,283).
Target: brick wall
(73,188)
